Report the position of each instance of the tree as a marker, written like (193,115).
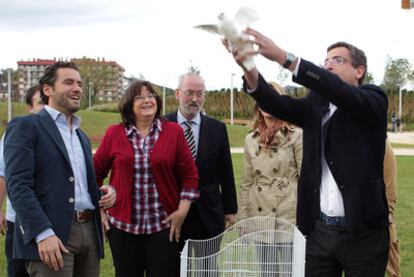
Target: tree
(96,75)
(411,76)
(369,78)
(4,83)
(396,73)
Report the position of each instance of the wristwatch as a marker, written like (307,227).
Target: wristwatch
(290,58)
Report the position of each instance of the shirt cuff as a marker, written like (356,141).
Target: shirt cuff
(296,70)
(189,194)
(44,235)
(249,90)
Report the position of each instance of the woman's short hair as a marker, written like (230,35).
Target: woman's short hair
(127,101)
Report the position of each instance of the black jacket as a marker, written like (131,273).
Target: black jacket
(354,144)
(215,169)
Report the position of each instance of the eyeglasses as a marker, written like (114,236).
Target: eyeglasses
(141,98)
(337,60)
(191,93)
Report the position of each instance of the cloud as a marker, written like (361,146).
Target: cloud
(24,16)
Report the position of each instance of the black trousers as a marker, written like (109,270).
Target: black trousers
(194,228)
(331,250)
(15,267)
(275,259)
(133,254)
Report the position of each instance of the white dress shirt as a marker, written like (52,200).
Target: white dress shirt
(331,201)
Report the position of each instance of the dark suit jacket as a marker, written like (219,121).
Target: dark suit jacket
(40,182)
(354,144)
(215,169)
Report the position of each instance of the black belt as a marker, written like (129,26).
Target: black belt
(332,220)
(83,216)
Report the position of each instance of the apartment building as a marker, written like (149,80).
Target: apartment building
(407,4)
(103,79)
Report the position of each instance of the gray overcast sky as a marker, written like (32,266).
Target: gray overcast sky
(155,38)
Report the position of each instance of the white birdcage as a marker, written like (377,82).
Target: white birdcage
(257,246)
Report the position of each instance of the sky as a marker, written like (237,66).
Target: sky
(156,38)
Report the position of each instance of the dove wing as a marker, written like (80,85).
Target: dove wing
(211,28)
(245,16)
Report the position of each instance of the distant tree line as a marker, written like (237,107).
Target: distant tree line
(217,104)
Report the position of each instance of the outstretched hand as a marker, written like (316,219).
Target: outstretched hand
(265,46)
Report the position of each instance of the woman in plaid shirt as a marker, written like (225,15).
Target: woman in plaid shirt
(156,179)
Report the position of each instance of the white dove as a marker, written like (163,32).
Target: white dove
(232,30)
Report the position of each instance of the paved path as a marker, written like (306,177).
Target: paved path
(403,138)
(397,151)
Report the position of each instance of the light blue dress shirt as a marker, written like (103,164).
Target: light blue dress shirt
(10,213)
(74,149)
(195,125)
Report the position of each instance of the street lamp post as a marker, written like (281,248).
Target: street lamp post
(399,101)
(163,100)
(90,94)
(29,83)
(231,99)
(9,96)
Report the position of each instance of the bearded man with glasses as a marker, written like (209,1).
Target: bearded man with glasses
(208,140)
(341,207)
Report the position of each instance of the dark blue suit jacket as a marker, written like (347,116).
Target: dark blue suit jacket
(40,182)
(354,144)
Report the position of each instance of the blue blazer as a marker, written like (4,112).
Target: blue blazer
(40,182)
(354,144)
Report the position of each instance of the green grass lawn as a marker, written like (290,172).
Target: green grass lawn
(405,221)
(402,145)
(95,123)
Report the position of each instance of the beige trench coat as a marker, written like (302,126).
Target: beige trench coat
(270,178)
(390,180)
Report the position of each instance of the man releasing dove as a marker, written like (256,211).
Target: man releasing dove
(232,30)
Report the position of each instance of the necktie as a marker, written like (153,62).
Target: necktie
(189,136)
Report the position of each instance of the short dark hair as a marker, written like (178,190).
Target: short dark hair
(127,101)
(357,56)
(30,93)
(49,77)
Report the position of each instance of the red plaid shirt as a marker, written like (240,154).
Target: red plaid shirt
(148,213)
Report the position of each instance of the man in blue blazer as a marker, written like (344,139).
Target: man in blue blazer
(342,208)
(52,185)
